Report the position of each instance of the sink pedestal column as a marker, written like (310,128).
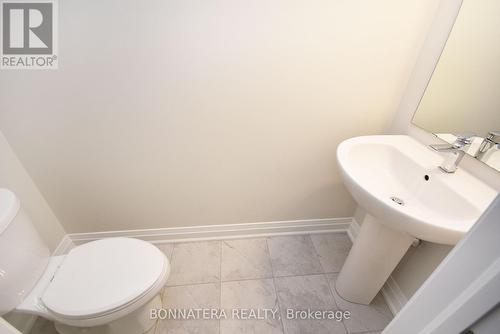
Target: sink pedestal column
(374,255)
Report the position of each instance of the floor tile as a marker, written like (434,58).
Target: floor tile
(246,268)
(293,255)
(195,262)
(43,326)
(307,292)
(245,259)
(332,249)
(250,295)
(364,318)
(199,296)
(166,248)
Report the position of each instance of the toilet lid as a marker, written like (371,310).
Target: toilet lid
(101,276)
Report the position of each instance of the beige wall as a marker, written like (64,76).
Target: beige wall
(13,176)
(463,93)
(180,113)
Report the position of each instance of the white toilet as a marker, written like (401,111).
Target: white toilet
(103,287)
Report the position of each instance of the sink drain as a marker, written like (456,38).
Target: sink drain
(397,200)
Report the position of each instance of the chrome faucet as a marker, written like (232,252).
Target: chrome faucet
(488,142)
(450,164)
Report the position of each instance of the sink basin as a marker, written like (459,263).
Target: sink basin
(406,196)
(397,179)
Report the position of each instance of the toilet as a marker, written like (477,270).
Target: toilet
(107,286)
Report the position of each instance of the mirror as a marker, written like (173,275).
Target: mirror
(463,95)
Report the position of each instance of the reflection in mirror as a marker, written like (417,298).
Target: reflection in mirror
(463,95)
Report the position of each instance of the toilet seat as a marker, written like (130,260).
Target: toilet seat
(100,281)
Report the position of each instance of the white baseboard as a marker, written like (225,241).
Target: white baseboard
(391,291)
(213,232)
(393,295)
(353,230)
(64,246)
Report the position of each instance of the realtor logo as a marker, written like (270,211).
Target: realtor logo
(29,39)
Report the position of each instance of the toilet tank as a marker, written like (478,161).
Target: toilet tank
(23,255)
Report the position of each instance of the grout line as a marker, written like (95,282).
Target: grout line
(327,281)
(317,254)
(247,279)
(275,288)
(189,284)
(251,279)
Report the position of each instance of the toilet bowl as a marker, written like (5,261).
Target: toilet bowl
(102,285)
(107,286)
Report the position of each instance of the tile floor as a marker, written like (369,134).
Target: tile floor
(279,273)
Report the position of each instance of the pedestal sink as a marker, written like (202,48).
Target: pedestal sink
(396,179)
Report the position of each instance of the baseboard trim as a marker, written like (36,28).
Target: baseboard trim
(391,291)
(213,232)
(393,295)
(353,229)
(64,246)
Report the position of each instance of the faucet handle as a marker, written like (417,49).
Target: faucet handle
(493,134)
(464,139)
